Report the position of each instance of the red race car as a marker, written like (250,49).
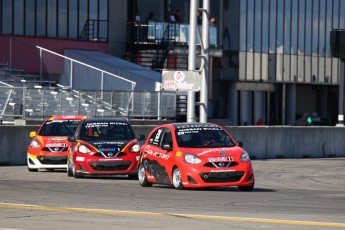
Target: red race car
(194,155)
(104,146)
(48,148)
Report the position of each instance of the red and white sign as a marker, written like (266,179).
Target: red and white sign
(181,80)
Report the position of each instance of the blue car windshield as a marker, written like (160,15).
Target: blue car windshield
(203,137)
(59,128)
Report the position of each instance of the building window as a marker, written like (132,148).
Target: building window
(301,26)
(288,23)
(280,26)
(83,16)
(315,27)
(294,27)
(41,18)
(18,17)
(250,25)
(308,24)
(243,25)
(54,18)
(30,23)
(7,21)
(341,15)
(62,18)
(322,28)
(329,27)
(273,26)
(73,19)
(257,26)
(265,25)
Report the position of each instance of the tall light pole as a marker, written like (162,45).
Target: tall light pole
(191,57)
(204,61)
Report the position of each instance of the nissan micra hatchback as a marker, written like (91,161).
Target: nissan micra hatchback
(194,155)
(48,147)
(104,146)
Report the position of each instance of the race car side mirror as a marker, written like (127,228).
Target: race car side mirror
(32,134)
(141,137)
(71,139)
(240,143)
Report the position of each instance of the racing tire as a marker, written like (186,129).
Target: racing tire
(75,174)
(247,188)
(69,170)
(32,170)
(177,179)
(142,177)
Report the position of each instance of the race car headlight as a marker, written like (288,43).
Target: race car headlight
(135,148)
(84,149)
(191,159)
(34,144)
(244,157)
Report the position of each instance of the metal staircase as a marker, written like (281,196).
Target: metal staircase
(163,47)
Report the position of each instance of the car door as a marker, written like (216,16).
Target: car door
(157,157)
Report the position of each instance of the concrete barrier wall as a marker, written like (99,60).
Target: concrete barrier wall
(14,141)
(291,142)
(261,142)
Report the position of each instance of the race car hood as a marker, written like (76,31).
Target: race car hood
(53,141)
(214,152)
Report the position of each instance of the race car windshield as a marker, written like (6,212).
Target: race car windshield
(59,128)
(203,138)
(106,131)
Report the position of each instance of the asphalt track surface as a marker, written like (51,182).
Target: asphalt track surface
(289,194)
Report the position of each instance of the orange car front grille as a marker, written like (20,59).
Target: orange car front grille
(55,149)
(221,177)
(52,160)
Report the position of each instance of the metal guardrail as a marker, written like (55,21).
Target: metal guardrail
(73,73)
(41,103)
(108,94)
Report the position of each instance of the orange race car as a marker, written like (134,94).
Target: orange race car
(194,155)
(48,148)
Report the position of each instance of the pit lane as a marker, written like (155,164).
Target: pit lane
(289,194)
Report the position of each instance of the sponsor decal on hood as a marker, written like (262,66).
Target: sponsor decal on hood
(57,139)
(214,152)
